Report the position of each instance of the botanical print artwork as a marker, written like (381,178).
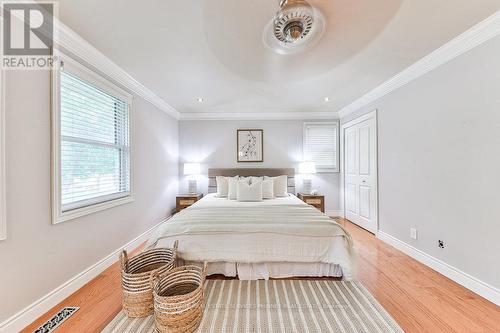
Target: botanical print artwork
(250,147)
(248,150)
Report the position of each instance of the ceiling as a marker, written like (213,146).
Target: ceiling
(183,50)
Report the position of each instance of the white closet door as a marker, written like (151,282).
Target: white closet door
(360,172)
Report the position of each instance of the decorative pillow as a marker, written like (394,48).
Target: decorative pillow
(247,179)
(256,179)
(251,192)
(232,187)
(280,185)
(267,189)
(222,186)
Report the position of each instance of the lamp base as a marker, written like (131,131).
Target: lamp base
(192,188)
(306,186)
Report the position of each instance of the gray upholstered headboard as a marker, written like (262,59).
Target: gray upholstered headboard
(246,172)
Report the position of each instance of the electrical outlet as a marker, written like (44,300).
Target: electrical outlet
(441,244)
(413,233)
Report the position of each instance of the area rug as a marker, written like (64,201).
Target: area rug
(281,306)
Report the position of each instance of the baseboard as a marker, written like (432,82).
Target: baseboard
(335,213)
(479,287)
(26,316)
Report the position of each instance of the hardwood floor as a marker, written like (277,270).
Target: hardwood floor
(420,299)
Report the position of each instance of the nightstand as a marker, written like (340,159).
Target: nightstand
(317,201)
(184,201)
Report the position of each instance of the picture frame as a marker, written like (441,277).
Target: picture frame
(250,145)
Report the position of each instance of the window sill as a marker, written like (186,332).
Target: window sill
(327,170)
(60,217)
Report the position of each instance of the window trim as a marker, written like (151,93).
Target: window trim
(3,205)
(320,169)
(58,215)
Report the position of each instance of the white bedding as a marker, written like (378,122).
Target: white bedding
(276,230)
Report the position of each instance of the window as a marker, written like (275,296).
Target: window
(91,142)
(321,145)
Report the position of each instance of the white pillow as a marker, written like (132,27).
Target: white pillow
(280,185)
(267,189)
(256,179)
(232,187)
(247,179)
(222,186)
(251,192)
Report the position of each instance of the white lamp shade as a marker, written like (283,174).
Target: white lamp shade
(307,168)
(191,168)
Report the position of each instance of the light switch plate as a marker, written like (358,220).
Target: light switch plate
(413,233)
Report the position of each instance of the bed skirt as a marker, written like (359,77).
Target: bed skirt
(264,271)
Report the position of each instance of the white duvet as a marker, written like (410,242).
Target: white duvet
(277,230)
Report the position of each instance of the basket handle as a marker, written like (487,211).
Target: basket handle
(124,260)
(176,246)
(204,271)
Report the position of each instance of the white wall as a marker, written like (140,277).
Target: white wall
(439,162)
(38,256)
(213,144)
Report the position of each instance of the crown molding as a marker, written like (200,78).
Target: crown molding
(475,36)
(71,42)
(75,44)
(258,115)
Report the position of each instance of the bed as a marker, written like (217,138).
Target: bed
(274,238)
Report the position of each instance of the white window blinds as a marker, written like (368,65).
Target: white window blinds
(321,145)
(94,144)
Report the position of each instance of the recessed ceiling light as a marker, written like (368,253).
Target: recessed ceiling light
(326,99)
(200,99)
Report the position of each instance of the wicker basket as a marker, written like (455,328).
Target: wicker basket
(137,275)
(178,299)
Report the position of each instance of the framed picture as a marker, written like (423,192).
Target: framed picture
(250,145)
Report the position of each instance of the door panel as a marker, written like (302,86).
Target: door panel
(351,153)
(364,151)
(364,202)
(360,176)
(351,199)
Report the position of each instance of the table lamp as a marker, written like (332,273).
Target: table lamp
(307,169)
(192,170)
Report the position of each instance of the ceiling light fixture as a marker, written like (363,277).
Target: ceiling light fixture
(200,100)
(327,99)
(296,26)
(293,21)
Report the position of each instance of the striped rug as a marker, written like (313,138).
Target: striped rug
(281,306)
